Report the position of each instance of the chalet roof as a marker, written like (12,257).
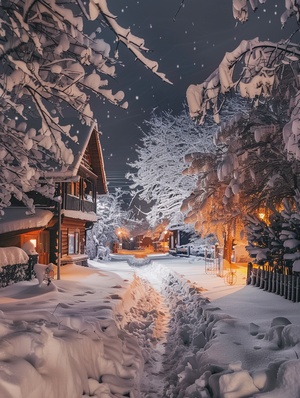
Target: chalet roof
(87,146)
(16,218)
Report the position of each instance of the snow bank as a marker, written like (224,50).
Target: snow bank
(52,359)
(69,343)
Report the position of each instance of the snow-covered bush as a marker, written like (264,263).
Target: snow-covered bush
(112,218)
(12,255)
(13,265)
(277,239)
(103,253)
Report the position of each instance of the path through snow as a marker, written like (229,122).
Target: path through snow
(209,353)
(165,332)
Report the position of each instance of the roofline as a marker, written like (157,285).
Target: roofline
(102,166)
(77,158)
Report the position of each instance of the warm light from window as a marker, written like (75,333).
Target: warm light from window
(33,241)
(261,215)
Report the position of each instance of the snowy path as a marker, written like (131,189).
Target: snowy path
(167,340)
(148,321)
(210,354)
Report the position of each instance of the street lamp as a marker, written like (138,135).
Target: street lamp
(261,216)
(120,238)
(165,240)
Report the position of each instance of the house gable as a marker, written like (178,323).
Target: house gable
(92,161)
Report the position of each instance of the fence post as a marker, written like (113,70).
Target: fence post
(281,285)
(266,280)
(249,273)
(277,291)
(258,276)
(288,287)
(262,279)
(271,281)
(297,290)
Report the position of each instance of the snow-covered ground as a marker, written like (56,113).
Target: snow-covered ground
(163,329)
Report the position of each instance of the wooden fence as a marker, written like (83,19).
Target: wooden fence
(283,283)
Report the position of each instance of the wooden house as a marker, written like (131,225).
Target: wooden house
(58,228)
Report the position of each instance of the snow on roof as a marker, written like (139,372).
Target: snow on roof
(78,148)
(80,215)
(16,219)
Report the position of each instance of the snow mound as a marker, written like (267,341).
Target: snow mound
(29,248)
(12,255)
(96,360)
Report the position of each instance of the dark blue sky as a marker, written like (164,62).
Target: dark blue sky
(187,50)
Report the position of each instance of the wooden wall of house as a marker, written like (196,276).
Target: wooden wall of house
(72,225)
(7,241)
(41,238)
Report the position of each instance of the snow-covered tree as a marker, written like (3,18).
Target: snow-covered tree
(255,70)
(158,178)
(251,171)
(276,238)
(264,244)
(111,219)
(259,163)
(53,58)
(255,163)
(290,232)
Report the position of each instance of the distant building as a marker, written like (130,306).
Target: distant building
(178,236)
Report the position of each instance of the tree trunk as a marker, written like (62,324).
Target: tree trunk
(228,240)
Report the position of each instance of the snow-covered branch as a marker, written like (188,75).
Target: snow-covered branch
(51,63)
(240,9)
(262,63)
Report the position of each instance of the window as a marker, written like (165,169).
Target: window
(73,242)
(88,190)
(73,189)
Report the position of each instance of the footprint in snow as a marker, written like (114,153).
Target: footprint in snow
(115,297)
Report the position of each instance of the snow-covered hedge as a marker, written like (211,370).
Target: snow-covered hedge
(12,255)
(13,265)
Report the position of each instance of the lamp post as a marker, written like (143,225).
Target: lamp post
(165,240)
(120,238)
(59,238)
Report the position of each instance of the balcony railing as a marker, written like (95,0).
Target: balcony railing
(75,203)
(72,203)
(88,206)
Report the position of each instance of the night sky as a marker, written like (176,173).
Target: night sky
(187,49)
